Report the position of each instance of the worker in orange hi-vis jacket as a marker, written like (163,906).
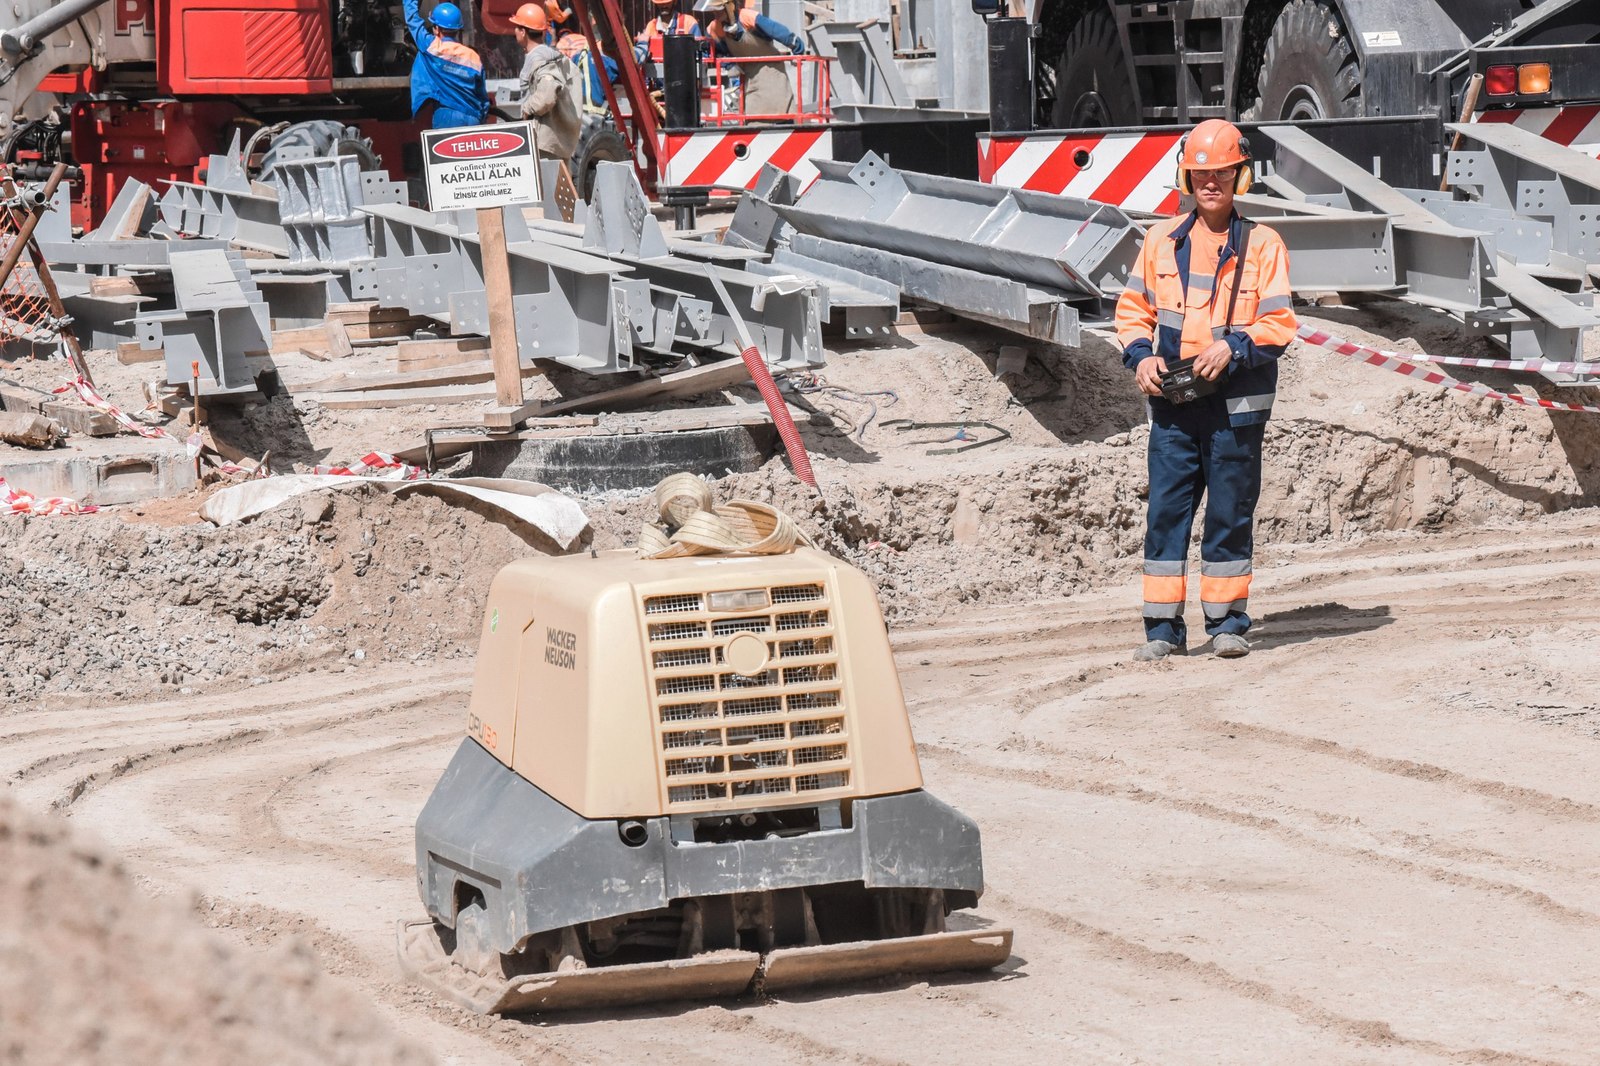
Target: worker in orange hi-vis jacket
(1204,317)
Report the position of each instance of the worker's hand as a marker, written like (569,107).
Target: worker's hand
(714,30)
(1210,363)
(1147,375)
(747,18)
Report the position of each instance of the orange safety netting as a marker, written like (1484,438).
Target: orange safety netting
(25,304)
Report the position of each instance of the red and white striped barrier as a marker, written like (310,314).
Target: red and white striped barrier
(734,157)
(86,392)
(1135,171)
(15,501)
(1576,127)
(1404,363)
(369,465)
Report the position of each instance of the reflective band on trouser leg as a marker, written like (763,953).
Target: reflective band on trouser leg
(1221,595)
(1165,588)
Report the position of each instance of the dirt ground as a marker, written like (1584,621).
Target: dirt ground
(1373,840)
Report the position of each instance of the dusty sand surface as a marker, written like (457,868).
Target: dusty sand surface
(1373,840)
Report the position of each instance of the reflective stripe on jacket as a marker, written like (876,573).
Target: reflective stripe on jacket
(1164,311)
(445,71)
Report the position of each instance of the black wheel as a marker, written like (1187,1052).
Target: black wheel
(1094,85)
(600,143)
(1309,69)
(324,137)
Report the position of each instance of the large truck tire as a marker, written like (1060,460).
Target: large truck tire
(1094,84)
(599,143)
(325,137)
(1309,69)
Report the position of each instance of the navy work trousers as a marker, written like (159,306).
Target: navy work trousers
(1195,452)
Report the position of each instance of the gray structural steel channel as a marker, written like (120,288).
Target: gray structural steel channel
(1080,247)
(1495,262)
(220,318)
(1525,174)
(585,310)
(229,210)
(1026,262)
(319,206)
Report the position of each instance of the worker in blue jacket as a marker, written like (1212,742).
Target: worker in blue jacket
(446,73)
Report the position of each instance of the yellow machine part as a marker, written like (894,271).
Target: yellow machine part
(629,688)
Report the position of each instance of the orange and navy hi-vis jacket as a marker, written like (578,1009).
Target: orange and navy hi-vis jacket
(1164,311)
(445,71)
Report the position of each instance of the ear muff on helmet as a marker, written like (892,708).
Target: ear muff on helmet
(1242,181)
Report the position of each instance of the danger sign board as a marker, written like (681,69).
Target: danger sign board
(481,166)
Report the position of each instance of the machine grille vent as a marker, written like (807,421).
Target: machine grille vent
(728,740)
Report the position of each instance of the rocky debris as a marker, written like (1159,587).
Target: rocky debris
(101,604)
(92,970)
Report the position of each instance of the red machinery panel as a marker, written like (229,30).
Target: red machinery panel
(114,140)
(239,47)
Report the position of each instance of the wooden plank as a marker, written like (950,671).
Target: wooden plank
(129,353)
(388,330)
(502,314)
(406,351)
(707,378)
(406,366)
(330,337)
(375,399)
(131,285)
(74,419)
(467,374)
(366,311)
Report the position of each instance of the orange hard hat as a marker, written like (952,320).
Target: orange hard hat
(1215,144)
(531,17)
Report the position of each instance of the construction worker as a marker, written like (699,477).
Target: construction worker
(1212,290)
(748,34)
(550,92)
(666,23)
(595,75)
(562,20)
(446,72)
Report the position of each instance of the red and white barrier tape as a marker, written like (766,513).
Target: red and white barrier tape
(14,501)
(1403,363)
(86,392)
(375,461)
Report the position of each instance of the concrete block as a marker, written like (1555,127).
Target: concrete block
(102,470)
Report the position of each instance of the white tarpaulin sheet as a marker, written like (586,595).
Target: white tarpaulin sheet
(557,516)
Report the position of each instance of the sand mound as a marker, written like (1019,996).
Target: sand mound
(94,971)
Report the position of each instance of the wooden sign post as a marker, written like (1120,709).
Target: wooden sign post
(487,169)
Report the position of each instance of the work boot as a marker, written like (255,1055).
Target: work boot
(1230,646)
(1156,650)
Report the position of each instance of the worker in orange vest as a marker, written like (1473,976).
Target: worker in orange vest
(666,22)
(1202,321)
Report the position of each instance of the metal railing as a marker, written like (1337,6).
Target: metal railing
(730,83)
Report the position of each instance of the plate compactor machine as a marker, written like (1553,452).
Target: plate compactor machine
(686,778)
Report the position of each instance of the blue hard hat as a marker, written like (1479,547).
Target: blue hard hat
(446,16)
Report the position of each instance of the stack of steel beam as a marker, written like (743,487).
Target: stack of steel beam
(1036,264)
